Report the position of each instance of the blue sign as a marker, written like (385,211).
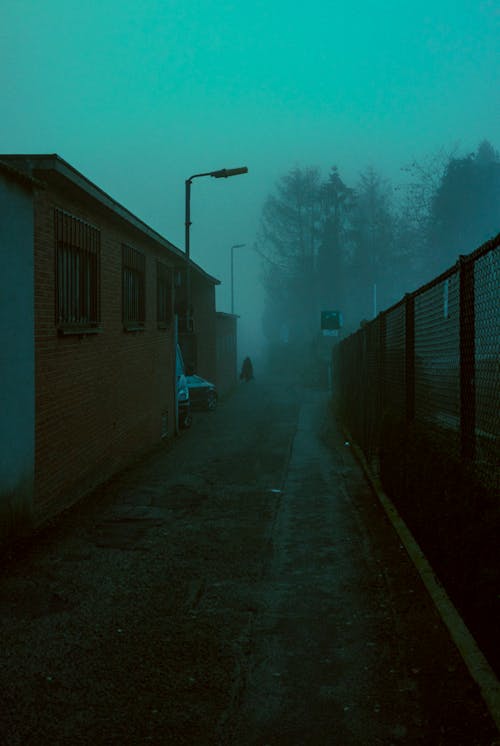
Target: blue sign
(331,320)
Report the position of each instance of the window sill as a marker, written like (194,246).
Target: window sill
(133,328)
(79,331)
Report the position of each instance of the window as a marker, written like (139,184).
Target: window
(133,288)
(78,251)
(164,294)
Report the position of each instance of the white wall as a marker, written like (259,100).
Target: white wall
(17,358)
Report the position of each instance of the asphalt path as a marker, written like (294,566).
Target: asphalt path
(240,585)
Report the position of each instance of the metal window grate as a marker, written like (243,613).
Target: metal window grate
(133,287)
(163,293)
(77,271)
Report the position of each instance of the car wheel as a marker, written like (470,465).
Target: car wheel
(211,401)
(185,420)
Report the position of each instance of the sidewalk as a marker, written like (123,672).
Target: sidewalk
(350,649)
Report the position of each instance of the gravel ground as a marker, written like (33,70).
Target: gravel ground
(157,610)
(126,620)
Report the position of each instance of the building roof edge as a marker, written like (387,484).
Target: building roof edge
(20,176)
(26,164)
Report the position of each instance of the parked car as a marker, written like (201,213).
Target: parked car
(202,393)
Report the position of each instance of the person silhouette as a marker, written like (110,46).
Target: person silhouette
(246,370)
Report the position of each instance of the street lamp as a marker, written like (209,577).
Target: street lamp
(222,173)
(236,246)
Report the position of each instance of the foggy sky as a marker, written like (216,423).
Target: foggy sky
(140,96)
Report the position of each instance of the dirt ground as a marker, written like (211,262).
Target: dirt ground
(240,585)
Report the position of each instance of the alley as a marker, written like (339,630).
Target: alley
(240,585)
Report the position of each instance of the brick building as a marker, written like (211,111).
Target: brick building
(199,343)
(88,314)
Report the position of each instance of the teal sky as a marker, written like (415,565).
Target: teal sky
(141,95)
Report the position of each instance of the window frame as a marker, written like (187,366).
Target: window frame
(77,274)
(133,289)
(164,295)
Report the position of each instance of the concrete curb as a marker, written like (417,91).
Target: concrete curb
(474,659)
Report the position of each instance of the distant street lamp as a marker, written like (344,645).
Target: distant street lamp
(222,173)
(236,246)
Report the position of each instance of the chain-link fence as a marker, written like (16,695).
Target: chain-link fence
(432,362)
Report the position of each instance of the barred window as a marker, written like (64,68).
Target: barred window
(78,252)
(133,288)
(164,294)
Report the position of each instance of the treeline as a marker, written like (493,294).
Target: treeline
(328,245)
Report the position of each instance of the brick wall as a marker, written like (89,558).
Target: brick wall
(101,399)
(203,296)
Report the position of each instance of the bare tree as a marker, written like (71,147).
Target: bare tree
(414,205)
(289,240)
(336,241)
(374,246)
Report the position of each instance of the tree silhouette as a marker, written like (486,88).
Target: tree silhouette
(465,210)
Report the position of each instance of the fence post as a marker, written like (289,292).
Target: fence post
(467,359)
(382,345)
(410,356)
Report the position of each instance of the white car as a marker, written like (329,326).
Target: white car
(182,393)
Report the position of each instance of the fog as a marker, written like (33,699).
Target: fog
(139,97)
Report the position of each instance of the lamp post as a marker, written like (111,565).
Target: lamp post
(236,246)
(222,173)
